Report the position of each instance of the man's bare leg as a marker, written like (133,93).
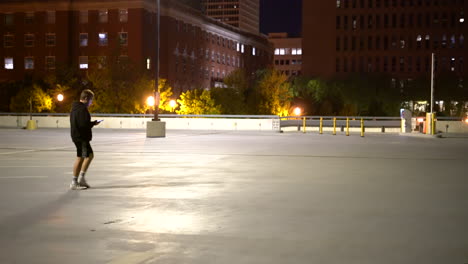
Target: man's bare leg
(87,161)
(77,166)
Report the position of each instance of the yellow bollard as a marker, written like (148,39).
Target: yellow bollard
(433,123)
(334,126)
(347,126)
(321,126)
(362,127)
(31,125)
(303,125)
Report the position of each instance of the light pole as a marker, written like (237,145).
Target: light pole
(156,84)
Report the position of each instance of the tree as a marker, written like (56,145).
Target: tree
(273,93)
(197,102)
(34,94)
(120,88)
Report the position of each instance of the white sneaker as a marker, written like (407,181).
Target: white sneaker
(82,183)
(74,185)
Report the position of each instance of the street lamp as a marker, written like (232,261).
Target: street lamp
(172,104)
(156,88)
(60,97)
(297,111)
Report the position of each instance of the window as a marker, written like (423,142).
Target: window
(29,18)
(50,17)
(253,52)
(83,39)
(9,19)
(238,46)
(123,38)
(277,51)
(338,22)
(50,40)
(377,43)
(123,15)
(29,40)
(242,48)
(282,52)
(50,62)
(8,41)
(103,39)
(102,62)
(83,61)
(103,16)
(338,3)
(29,63)
(83,16)
(148,64)
(369,42)
(9,63)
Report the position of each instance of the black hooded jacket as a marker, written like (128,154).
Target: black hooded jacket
(80,122)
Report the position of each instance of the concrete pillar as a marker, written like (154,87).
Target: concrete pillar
(155,129)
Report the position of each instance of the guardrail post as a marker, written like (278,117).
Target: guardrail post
(303,125)
(334,126)
(321,126)
(347,126)
(433,124)
(362,127)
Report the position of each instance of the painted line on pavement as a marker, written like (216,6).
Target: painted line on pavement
(23,177)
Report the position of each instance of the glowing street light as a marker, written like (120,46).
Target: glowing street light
(297,111)
(150,101)
(172,104)
(60,97)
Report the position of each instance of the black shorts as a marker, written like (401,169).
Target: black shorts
(83,149)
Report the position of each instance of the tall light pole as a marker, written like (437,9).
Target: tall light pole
(432,82)
(156,83)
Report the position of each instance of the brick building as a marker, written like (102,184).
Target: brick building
(288,53)
(395,37)
(196,51)
(243,14)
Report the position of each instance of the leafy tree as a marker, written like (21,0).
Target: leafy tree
(120,88)
(197,102)
(273,93)
(34,94)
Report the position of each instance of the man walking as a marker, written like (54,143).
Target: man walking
(81,124)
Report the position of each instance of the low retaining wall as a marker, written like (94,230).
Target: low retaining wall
(140,122)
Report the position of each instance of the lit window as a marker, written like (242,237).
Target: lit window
(83,16)
(50,62)
(29,63)
(29,40)
(50,40)
(282,52)
(338,3)
(123,38)
(83,39)
(277,51)
(102,39)
(299,51)
(83,60)
(103,16)
(8,41)
(238,47)
(294,52)
(9,64)
(148,63)
(123,15)
(253,51)
(50,17)
(242,48)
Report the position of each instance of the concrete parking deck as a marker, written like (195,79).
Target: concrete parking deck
(234,197)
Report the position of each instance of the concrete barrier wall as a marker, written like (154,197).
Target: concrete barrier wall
(453,126)
(138,122)
(241,124)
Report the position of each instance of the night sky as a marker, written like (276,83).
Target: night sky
(281,16)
